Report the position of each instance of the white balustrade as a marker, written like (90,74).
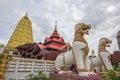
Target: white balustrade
(19,68)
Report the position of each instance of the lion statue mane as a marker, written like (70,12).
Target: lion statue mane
(78,54)
(103,58)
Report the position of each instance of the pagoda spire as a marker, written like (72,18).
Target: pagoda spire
(26,14)
(55,30)
(21,35)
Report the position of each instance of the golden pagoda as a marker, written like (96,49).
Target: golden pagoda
(21,35)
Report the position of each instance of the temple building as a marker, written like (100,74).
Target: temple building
(21,43)
(48,50)
(21,35)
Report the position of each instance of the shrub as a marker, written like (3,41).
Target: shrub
(111,75)
(39,76)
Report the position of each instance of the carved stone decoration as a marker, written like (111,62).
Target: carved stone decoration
(78,55)
(4,59)
(103,58)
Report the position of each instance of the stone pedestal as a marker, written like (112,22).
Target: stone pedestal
(74,77)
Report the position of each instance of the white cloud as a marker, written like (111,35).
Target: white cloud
(111,8)
(104,17)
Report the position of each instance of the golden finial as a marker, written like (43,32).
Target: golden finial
(68,45)
(26,14)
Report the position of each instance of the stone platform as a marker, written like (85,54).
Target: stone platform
(74,77)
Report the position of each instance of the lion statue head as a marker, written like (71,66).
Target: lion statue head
(82,28)
(103,43)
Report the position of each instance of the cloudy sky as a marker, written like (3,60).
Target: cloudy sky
(103,15)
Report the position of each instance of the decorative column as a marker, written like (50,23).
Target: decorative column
(118,39)
(91,57)
(4,59)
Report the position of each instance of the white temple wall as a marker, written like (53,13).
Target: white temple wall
(19,68)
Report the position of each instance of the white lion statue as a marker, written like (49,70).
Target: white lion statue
(103,58)
(78,55)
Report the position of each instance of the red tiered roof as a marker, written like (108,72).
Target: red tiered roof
(41,46)
(60,40)
(56,46)
(55,41)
